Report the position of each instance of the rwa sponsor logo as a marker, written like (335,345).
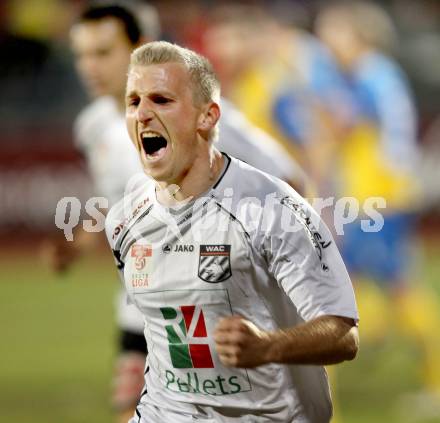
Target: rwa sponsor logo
(186,331)
(190,324)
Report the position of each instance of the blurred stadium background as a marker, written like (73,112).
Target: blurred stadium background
(57,343)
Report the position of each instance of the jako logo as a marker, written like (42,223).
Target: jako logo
(190,323)
(183,248)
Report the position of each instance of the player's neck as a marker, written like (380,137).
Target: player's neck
(200,178)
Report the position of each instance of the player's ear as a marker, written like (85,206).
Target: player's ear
(209,117)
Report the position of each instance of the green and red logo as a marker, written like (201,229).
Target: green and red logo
(183,335)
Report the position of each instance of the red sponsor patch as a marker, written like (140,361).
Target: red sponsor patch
(140,253)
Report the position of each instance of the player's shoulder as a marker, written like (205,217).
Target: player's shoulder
(137,198)
(246,185)
(92,119)
(250,180)
(267,206)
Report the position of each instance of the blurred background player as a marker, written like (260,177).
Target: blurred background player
(279,75)
(102,39)
(378,157)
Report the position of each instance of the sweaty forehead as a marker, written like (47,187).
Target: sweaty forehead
(166,76)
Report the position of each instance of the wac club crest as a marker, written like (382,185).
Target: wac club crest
(214,263)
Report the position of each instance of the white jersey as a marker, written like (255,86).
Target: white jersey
(250,246)
(101,134)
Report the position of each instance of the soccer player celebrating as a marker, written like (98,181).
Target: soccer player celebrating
(102,40)
(243,292)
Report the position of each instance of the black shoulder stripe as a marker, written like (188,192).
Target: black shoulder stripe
(119,263)
(224,172)
(127,230)
(233,218)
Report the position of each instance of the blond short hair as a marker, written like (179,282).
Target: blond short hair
(206,86)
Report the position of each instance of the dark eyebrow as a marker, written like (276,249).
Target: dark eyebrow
(151,95)
(162,95)
(159,93)
(131,94)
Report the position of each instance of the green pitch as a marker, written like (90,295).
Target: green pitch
(58,338)
(57,342)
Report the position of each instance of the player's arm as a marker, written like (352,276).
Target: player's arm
(321,341)
(60,254)
(306,265)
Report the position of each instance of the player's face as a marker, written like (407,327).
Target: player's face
(163,120)
(340,38)
(102,54)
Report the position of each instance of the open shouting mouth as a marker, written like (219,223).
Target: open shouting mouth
(153,144)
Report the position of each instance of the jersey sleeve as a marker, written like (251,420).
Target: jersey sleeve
(243,140)
(125,210)
(113,227)
(302,257)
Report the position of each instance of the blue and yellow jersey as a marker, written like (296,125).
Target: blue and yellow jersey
(379,156)
(253,94)
(316,85)
(279,95)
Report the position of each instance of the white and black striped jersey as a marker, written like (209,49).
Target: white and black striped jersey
(101,134)
(250,246)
